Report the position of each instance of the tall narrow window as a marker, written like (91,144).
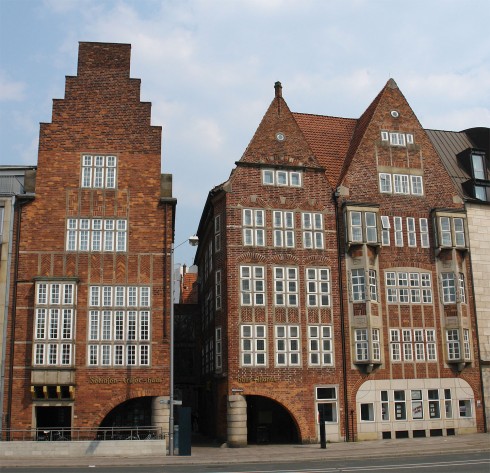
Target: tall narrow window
(462,289)
(318,287)
(448,288)
(356,226)
(285,286)
(253,345)
(395,345)
(416,185)
(459,237)
(401,184)
(478,164)
(373,285)
(371,227)
(217,233)
(320,345)
(253,227)
(424,233)
(411,235)
(217,278)
(287,345)
(398,231)
(466,344)
(312,225)
(385,183)
(453,346)
(252,285)
(361,344)
(385,230)
(283,223)
(358,285)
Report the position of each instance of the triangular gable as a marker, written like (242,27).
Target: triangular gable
(266,148)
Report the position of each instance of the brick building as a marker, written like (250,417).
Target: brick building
(335,283)
(90,300)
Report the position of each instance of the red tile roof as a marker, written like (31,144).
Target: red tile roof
(329,139)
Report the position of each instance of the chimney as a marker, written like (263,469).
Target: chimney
(278,89)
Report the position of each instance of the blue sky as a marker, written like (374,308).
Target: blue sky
(209,67)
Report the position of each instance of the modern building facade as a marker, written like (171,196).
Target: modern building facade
(466,155)
(88,324)
(335,284)
(16,186)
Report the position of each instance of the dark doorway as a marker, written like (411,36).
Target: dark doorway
(133,413)
(56,417)
(269,422)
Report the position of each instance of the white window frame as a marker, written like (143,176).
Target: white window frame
(401,184)
(320,345)
(385,186)
(416,185)
(286,284)
(252,285)
(317,287)
(253,345)
(288,345)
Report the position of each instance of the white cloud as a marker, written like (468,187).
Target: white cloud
(11,90)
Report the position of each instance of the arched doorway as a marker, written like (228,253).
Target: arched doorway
(132,413)
(269,422)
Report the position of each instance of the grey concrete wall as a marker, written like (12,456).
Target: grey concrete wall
(90,449)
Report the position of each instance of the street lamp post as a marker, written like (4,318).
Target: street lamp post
(193,241)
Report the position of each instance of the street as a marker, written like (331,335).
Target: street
(447,463)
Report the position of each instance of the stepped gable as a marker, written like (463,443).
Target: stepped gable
(329,138)
(101,104)
(266,148)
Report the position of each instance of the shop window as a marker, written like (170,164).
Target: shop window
(367,412)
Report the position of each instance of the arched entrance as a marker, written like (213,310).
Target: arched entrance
(269,422)
(132,413)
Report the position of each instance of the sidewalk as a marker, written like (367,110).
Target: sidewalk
(214,455)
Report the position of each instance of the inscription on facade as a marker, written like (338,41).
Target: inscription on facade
(134,380)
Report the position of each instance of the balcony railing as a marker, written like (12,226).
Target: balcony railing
(59,434)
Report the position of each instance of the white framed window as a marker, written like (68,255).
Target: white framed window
(395,346)
(448,288)
(318,287)
(411,233)
(384,136)
(385,230)
(87,235)
(358,285)
(285,286)
(217,233)
(99,171)
(465,408)
(281,177)
(385,183)
(119,337)
(462,288)
(431,348)
(253,227)
(283,223)
(407,345)
(466,344)
(371,227)
(217,289)
(320,350)
(375,345)
(373,285)
(400,184)
(424,233)
(253,345)
(361,344)
(287,345)
(417,404)
(356,226)
(312,226)
(398,224)
(453,344)
(451,232)
(408,288)
(416,185)
(218,348)
(53,333)
(397,139)
(252,285)
(409,137)
(326,403)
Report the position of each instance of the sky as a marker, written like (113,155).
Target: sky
(209,68)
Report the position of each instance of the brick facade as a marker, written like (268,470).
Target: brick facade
(99,175)
(260,259)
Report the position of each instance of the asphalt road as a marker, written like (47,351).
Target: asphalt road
(447,463)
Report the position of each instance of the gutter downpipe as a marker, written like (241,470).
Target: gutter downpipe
(13,318)
(6,312)
(342,315)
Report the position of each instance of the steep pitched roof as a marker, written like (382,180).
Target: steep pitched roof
(329,139)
